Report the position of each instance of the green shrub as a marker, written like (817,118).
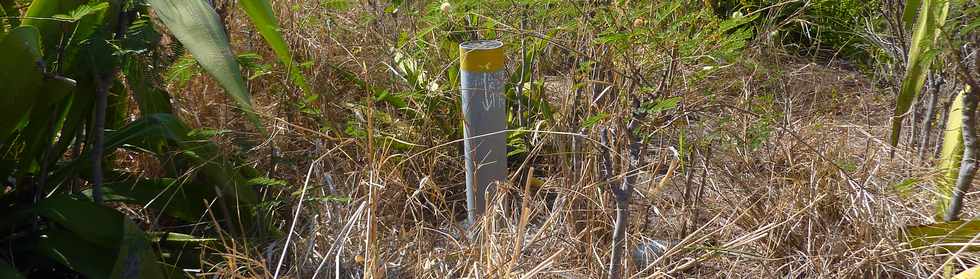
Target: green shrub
(822,27)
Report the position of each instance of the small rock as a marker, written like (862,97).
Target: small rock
(648,251)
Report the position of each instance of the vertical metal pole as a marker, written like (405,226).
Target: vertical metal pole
(485,119)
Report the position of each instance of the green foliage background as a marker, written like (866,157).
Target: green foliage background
(824,26)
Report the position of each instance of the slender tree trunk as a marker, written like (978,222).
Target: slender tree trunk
(624,192)
(914,118)
(103,80)
(622,195)
(619,234)
(699,193)
(942,125)
(622,212)
(968,167)
(98,135)
(935,84)
(687,194)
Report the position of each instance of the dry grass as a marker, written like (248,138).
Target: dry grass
(789,175)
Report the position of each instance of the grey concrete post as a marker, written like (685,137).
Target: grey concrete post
(482,79)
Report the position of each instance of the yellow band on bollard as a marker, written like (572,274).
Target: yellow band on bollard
(481,56)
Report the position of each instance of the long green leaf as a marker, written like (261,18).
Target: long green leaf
(950,236)
(7,271)
(200,154)
(972,273)
(117,248)
(78,114)
(183,201)
(72,251)
(265,21)
(911,8)
(41,15)
(48,110)
(97,224)
(951,155)
(932,15)
(195,24)
(136,258)
(20,76)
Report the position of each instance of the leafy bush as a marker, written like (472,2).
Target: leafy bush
(826,27)
(68,74)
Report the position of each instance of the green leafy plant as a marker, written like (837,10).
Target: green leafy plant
(932,15)
(61,62)
(957,165)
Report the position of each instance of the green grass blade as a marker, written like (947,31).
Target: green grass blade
(178,238)
(195,24)
(261,14)
(951,155)
(931,17)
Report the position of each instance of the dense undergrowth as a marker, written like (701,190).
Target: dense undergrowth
(322,139)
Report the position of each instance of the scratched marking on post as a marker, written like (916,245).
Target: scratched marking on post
(490,82)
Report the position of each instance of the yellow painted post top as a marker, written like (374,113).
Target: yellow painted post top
(481,56)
